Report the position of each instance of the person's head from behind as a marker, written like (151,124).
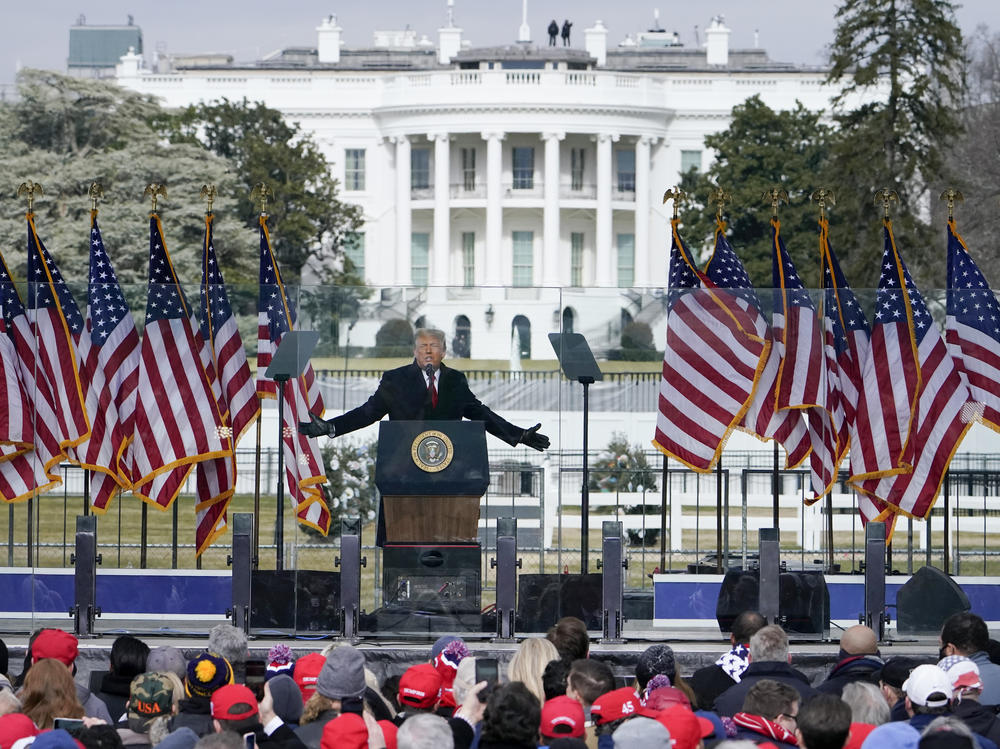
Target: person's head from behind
(224,740)
(128,657)
(429,347)
(824,722)
(425,731)
(745,626)
(234,708)
(656,660)
(928,691)
(858,640)
(768,644)
(528,664)
(230,642)
(49,692)
(554,678)
(100,736)
(775,701)
(588,679)
(964,633)
(513,715)
(570,637)
(866,703)
(947,732)
(207,672)
(963,673)
(891,677)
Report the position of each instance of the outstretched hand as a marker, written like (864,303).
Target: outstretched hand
(315,427)
(535,439)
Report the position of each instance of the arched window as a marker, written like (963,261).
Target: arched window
(461,340)
(521,336)
(568,319)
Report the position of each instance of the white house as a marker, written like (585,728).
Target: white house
(499,183)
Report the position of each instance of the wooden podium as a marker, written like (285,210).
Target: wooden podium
(431,475)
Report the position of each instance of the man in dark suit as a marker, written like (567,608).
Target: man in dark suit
(425,390)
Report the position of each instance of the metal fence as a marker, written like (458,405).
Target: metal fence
(676,520)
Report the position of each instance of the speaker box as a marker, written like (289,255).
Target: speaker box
(297,600)
(432,577)
(803,600)
(542,600)
(925,600)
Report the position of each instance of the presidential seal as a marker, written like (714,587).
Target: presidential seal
(432,451)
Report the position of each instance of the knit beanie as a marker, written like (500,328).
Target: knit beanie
(656,659)
(207,672)
(280,660)
(446,663)
(343,674)
(286,697)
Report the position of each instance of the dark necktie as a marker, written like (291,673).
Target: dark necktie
(431,389)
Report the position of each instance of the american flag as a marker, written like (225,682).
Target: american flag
(709,364)
(178,423)
(973,330)
(762,417)
(848,341)
(239,402)
(32,449)
(303,463)
(890,377)
(803,381)
(941,415)
(57,325)
(109,370)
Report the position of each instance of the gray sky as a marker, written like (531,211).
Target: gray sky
(790,30)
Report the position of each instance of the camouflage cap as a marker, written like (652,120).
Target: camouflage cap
(150,696)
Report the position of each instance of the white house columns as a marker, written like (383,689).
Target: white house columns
(439,261)
(550,275)
(404,216)
(603,229)
(494,208)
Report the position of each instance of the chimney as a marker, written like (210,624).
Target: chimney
(595,40)
(328,41)
(129,65)
(717,42)
(449,43)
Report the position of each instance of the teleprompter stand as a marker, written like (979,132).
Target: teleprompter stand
(290,360)
(578,363)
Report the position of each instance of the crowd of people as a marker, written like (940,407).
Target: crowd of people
(553,695)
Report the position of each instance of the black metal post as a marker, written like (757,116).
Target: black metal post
(256,497)
(240,559)
(874,613)
(770,572)
(174,523)
(829,533)
(775,480)
(350,562)
(506,563)
(718,517)
(613,566)
(664,478)
(585,504)
(85,560)
(279,520)
(947,523)
(143,534)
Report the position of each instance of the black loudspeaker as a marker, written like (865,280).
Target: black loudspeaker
(297,600)
(542,600)
(803,600)
(925,600)
(638,605)
(432,577)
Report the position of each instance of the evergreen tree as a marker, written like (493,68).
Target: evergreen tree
(899,65)
(759,150)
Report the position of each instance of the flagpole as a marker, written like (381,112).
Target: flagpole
(718,517)
(256,499)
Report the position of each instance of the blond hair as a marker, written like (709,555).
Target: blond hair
(529,662)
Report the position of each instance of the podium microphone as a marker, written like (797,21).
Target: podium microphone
(429,369)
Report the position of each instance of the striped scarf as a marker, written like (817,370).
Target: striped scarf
(765,727)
